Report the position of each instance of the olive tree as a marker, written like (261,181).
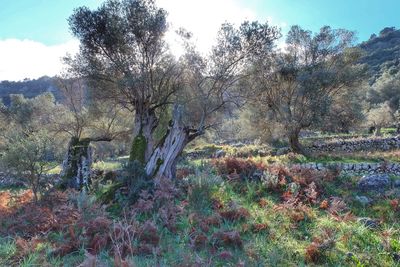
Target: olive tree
(85,120)
(299,88)
(124,55)
(27,156)
(379,117)
(27,147)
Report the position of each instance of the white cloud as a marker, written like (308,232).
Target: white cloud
(203,18)
(21,59)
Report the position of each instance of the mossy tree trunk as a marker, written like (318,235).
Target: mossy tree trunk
(77,164)
(143,141)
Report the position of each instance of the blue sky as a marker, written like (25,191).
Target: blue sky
(44,21)
(364,16)
(36,31)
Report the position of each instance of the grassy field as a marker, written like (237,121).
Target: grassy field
(212,217)
(215,214)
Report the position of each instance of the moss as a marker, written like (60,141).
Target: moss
(77,148)
(106,194)
(138,149)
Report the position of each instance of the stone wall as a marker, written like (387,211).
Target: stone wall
(367,144)
(362,168)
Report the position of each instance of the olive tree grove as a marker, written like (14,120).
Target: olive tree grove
(124,55)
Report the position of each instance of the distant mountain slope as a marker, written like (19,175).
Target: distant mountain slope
(29,88)
(382,52)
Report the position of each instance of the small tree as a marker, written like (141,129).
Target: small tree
(27,157)
(299,88)
(28,147)
(380,116)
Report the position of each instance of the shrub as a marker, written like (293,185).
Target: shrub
(244,168)
(26,156)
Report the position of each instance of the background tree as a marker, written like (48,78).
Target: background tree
(300,86)
(28,147)
(85,120)
(27,157)
(379,117)
(346,112)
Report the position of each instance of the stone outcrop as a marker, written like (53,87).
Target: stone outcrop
(374,182)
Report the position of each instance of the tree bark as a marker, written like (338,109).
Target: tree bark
(143,140)
(377,131)
(77,164)
(162,163)
(295,143)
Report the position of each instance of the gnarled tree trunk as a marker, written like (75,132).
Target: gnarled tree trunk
(162,163)
(378,131)
(77,164)
(76,168)
(295,143)
(143,141)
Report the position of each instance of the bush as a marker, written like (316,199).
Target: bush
(231,167)
(26,156)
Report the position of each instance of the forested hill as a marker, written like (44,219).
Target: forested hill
(29,88)
(382,52)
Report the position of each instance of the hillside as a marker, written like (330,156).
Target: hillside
(382,52)
(29,88)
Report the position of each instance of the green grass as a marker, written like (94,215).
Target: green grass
(284,242)
(107,165)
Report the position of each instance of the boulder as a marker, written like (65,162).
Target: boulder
(363,200)
(220,153)
(374,182)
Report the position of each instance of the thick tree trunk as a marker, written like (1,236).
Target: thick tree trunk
(377,131)
(295,143)
(162,163)
(143,141)
(77,164)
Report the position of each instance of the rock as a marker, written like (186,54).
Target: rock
(282,151)
(368,222)
(374,182)
(396,183)
(220,153)
(363,200)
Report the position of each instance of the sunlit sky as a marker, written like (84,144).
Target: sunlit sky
(34,34)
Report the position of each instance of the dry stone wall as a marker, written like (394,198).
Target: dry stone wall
(362,168)
(366,144)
